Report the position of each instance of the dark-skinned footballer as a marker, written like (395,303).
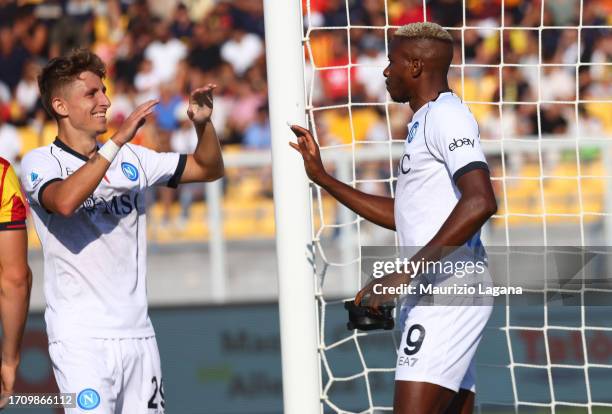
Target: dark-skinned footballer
(442,199)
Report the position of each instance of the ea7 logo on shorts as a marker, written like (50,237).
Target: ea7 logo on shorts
(88,399)
(458,143)
(129,171)
(413,131)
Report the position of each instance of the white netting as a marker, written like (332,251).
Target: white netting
(537,75)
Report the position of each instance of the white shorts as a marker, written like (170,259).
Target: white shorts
(439,343)
(110,376)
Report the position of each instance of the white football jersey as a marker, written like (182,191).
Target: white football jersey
(443,143)
(95,260)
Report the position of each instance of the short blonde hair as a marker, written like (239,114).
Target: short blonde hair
(424,30)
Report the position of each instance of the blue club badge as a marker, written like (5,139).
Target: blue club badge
(88,399)
(413,131)
(129,171)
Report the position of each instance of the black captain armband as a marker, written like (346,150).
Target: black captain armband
(364,319)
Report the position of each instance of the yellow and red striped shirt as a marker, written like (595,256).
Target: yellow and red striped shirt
(12,201)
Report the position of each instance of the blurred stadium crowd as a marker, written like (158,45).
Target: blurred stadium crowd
(523,83)
(164,48)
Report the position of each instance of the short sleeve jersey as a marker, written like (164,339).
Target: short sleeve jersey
(95,259)
(12,201)
(443,144)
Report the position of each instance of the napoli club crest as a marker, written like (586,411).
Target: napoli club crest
(413,131)
(129,171)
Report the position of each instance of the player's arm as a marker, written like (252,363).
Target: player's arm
(475,206)
(15,278)
(377,209)
(65,196)
(206,162)
(15,286)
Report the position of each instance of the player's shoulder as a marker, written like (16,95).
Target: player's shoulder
(8,178)
(448,104)
(135,150)
(38,153)
(41,156)
(133,147)
(448,110)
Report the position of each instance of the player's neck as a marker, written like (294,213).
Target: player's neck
(84,144)
(428,94)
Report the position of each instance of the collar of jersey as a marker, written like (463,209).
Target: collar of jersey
(60,144)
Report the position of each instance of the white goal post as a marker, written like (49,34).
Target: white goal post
(297,305)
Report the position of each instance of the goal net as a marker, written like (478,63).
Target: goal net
(538,78)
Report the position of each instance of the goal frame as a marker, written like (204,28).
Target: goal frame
(297,304)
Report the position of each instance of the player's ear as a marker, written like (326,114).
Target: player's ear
(59,106)
(416,67)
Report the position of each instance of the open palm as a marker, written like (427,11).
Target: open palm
(201,104)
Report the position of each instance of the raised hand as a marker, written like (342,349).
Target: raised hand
(309,150)
(201,104)
(132,124)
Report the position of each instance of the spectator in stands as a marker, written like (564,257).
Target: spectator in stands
(242,50)
(10,143)
(248,15)
(146,82)
(244,109)
(378,131)
(587,126)
(225,101)
(165,111)
(26,93)
(182,26)
(515,86)
(258,134)
(73,29)
(334,13)
(13,57)
(165,52)
(31,33)
(599,73)
(553,120)
(205,52)
(447,13)
(184,140)
(127,61)
(123,100)
(557,84)
(373,14)
(336,80)
(412,12)
(141,23)
(370,72)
